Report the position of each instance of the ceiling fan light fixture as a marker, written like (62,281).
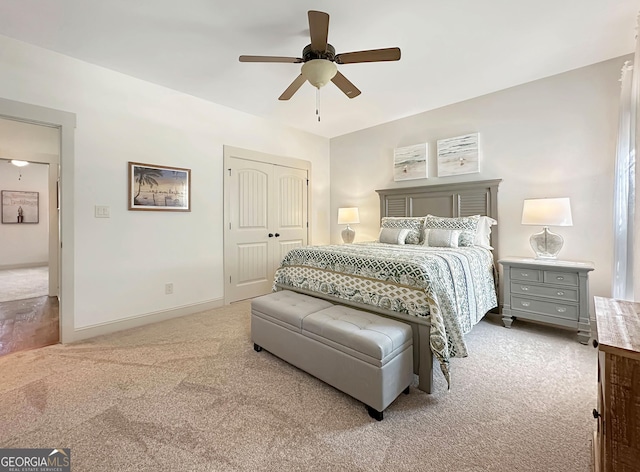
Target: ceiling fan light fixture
(319,72)
(18,163)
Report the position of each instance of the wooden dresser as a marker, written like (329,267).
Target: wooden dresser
(616,335)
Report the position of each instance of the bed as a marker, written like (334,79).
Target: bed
(441,289)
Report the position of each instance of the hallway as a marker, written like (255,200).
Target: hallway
(19,284)
(28,317)
(27,324)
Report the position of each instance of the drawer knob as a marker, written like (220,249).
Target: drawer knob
(524,274)
(595,343)
(595,414)
(525,303)
(560,293)
(524,288)
(559,277)
(561,309)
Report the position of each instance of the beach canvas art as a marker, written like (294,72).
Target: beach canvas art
(20,207)
(155,187)
(459,155)
(410,162)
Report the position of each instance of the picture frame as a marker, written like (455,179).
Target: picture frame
(20,207)
(155,187)
(411,162)
(459,155)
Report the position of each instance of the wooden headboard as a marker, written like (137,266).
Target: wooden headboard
(449,200)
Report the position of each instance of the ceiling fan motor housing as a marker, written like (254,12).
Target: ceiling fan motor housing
(309,54)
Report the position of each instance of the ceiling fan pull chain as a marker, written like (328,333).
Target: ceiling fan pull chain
(318,104)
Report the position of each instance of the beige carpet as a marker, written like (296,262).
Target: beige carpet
(19,284)
(191,395)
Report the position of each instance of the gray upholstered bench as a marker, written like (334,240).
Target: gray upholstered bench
(364,355)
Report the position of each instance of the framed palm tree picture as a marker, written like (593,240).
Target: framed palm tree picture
(160,188)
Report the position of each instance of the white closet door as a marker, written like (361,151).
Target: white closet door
(291,212)
(267,216)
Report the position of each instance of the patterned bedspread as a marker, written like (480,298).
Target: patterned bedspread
(453,286)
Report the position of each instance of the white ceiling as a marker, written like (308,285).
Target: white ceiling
(452,50)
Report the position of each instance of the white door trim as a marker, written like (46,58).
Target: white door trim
(62,253)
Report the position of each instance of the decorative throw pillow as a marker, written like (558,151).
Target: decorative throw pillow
(441,237)
(413,224)
(468,226)
(393,235)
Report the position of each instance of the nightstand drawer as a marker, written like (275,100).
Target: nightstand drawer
(557,310)
(568,294)
(561,278)
(521,273)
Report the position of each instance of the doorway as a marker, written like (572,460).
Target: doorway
(29,235)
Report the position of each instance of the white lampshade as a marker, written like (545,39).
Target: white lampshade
(319,71)
(347,216)
(547,212)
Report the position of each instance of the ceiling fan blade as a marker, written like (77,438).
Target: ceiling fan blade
(319,30)
(293,60)
(374,55)
(345,85)
(293,88)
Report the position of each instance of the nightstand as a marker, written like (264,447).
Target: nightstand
(550,291)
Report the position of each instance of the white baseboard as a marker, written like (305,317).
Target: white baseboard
(28,265)
(109,327)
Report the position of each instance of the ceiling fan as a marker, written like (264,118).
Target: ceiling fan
(319,59)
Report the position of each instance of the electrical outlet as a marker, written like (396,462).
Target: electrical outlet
(168,289)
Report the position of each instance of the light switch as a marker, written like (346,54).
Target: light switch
(102,211)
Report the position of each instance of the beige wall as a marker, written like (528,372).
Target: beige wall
(552,137)
(122,263)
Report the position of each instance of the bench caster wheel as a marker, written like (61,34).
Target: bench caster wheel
(375,414)
(256,347)
(406,390)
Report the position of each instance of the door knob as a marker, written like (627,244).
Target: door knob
(277,235)
(271,235)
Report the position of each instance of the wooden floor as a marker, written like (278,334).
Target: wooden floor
(27,324)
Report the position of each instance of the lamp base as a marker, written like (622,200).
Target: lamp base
(546,244)
(348,234)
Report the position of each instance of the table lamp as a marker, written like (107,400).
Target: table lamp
(348,216)
(546,212)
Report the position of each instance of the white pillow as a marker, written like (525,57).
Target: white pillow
(441,237)
(413,224)
(393,235)
(467,225)
(483,233)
